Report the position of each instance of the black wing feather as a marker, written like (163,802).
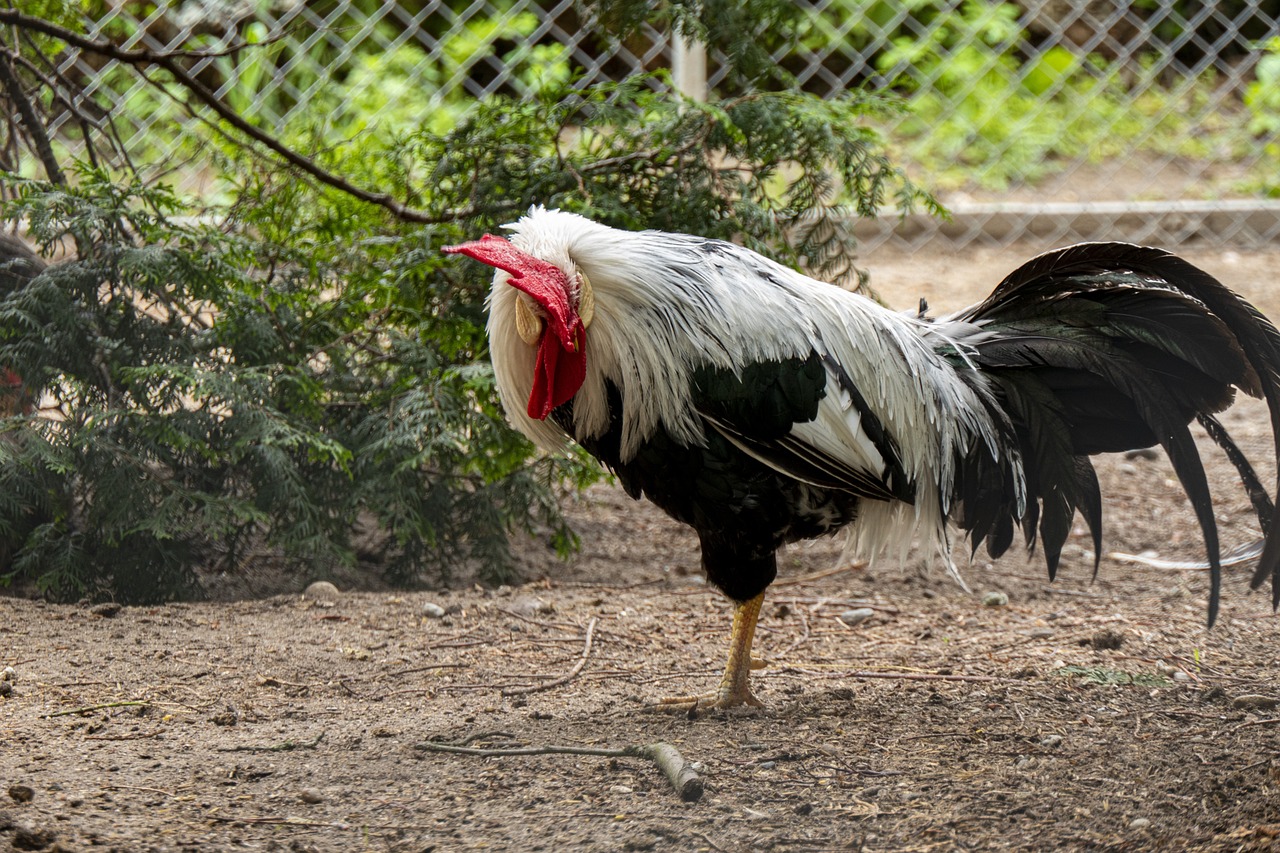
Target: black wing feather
(757,408)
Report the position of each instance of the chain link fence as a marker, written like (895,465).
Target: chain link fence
(1156,121)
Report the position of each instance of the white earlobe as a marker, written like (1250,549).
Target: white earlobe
(528,324)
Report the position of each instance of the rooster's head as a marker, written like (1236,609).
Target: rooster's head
(552,315)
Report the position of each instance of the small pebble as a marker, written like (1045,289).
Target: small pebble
(6,688)
(28,837)
(22,793)
(1255,703)
(620,789)
(226,717)
(1181,676)
(432,610)
(1106,640)
(768,765)
(1022,763)
(106,610)
(8,674)
(322,591)
(995,599)
(528,606)
(853,617)
(1040,633)
(1139,823)
(311,796)
(1051,741)
(803,809)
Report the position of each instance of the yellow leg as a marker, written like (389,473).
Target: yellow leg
(735,685)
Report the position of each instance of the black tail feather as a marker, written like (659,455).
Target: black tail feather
(1091,506)
(1106,347)
(1263,506)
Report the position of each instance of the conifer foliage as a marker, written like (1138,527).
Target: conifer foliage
(300,377)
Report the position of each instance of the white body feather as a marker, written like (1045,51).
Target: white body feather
(665,305)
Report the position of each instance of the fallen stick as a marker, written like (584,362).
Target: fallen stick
(91,708)
(132,736)
(838,570)
(905,676)
(564,679)
(1265,721)
(679,772)
(287,746)
(318,824)
(825,601)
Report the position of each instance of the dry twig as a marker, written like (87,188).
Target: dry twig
(826,573)
(564,679)
(1264,721)
(287,746)
(684,780)
(91,708)
(905,676)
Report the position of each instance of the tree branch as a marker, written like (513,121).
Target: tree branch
(169,61)
(35,128)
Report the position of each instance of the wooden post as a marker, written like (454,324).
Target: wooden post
(689,66)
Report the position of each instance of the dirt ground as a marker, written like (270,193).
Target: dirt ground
(1078,715)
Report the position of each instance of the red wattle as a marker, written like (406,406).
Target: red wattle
(558,374)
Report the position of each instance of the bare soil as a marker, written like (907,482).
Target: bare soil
(1078,715)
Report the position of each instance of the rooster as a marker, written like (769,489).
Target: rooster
(761,407)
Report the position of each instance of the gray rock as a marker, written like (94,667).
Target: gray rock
(322,591)
(856,616)
(1255,703)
